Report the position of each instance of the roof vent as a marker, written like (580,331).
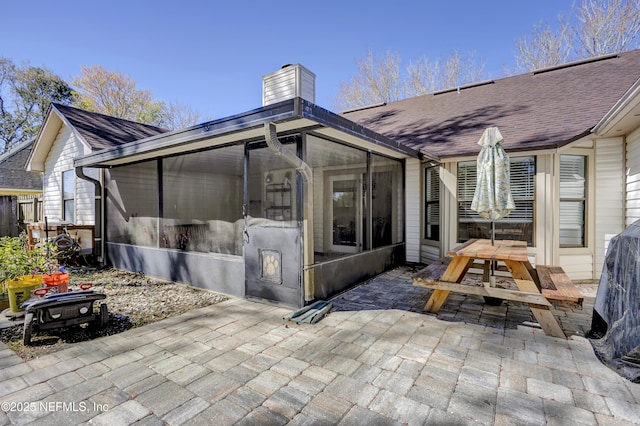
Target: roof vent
(290,81)
(575,63)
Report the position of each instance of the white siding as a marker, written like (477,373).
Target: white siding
(412,211)
(64,150)
(633,178)
(429,253)
(288,83)
(85,198)
(545,222)
(449,206)
(609,196)
(577,266)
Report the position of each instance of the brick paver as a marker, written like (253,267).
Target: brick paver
(376,359)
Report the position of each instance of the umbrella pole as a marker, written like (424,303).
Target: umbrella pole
(493,231)
(493,263)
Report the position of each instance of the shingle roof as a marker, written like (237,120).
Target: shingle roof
(539,110)
(12,172)
(103,131)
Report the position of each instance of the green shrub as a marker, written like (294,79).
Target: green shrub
(17,259)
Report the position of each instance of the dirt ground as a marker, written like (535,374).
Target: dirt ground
(133,300)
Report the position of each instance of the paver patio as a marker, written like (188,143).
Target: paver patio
(373,360)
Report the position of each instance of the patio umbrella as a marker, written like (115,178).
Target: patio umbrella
(492,198)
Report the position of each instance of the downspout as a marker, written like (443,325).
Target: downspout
(307,210)
(98,212)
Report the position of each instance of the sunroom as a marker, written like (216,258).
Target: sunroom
(287,203)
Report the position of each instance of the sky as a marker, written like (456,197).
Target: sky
(211,55)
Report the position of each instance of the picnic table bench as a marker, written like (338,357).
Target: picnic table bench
(538,287)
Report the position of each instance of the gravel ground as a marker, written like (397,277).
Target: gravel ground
(133,299)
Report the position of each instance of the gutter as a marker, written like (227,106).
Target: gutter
(307,209)
(98,212)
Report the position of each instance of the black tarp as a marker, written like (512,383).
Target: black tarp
(615,328)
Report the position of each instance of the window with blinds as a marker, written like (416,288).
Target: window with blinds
(432,203)
(573,200)
(519,224)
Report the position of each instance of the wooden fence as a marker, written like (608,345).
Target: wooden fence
(17,212)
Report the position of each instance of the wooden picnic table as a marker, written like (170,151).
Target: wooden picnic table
(446,276)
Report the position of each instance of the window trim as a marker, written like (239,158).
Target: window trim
(589,219)
(65,199)
(426,203)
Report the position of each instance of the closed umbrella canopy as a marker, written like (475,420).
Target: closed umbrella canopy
(492,198)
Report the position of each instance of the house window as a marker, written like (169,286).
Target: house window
(573,200)
(68,195)
(519,224)
(432,203)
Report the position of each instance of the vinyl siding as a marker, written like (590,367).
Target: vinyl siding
(413,217)
(85,198)
(429,253)
(632,202)
(577,266)
(545,217)
(609,196)
(64,150)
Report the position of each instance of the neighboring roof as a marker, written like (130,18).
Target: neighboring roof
(97,131)
(101,131)
(545,109)
(14,179)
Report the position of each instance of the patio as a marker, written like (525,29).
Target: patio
(238,362)
(393,290)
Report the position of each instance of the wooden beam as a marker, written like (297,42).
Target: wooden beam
(501,293)
(545,317)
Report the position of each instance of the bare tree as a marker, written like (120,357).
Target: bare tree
(426,76)
(178,115)
(594,28)
(382,81)
(378,80)
(605,26)
(545,48)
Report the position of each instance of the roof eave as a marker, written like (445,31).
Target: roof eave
(16,149)
(44,140)
(540,149)
(625,105)
(288,110)
(330,119)
(46,137)
(19,191)
(235,123)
